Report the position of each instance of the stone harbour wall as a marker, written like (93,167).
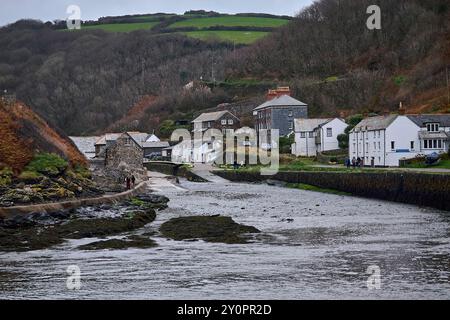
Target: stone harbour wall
(431,190)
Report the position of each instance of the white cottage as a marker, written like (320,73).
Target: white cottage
(316,135)
(384,140)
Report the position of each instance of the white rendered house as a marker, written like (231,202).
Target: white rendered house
(316,135)
(384,140)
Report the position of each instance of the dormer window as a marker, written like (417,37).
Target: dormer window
(432,127)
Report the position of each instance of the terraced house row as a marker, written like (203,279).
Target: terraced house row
(385,140)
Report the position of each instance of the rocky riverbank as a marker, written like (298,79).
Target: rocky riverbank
(42,230)
(48,178)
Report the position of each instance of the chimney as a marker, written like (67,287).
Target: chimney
(278,92)
(271,94)
(401,109)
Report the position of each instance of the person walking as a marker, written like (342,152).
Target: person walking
(347,163)
(353,162)
(133,180)
(128,182)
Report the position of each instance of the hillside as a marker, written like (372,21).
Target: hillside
(244,28)
(24,134)
(332,61)
(94,80)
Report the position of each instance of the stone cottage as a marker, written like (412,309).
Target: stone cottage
(123,158)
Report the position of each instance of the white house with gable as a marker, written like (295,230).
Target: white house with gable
(316,135)
(384,140)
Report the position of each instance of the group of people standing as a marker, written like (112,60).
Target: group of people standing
(355,162)
(130,181)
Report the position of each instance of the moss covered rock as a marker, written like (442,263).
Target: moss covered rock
(208,228)
(88,228)
(120,244)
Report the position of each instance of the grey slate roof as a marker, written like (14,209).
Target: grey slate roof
(156,144)
(422,119)
(308,125)
(434,135)
(212,116)
(282,101)
(107,137)
(375,123)
(138,137)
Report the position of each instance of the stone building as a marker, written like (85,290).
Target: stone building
(122,157)
(124,151)
(221,120)
(279,112)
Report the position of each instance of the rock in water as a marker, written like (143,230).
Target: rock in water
(208,228)
(120,244)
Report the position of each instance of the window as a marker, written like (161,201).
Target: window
(230,122)
(433,127)
(209,124)
(412,145)
(354,147)
(291,124)
(128,141)
(224,122)
(379,133)
(302,134)
(374,134)
(290,113)
(432,144)
(367,147)
(374,146)
(311,134)
(329,132)
(379,145)
(392,145)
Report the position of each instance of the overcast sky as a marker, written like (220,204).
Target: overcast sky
(13,10)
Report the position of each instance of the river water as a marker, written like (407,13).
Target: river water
(312,246)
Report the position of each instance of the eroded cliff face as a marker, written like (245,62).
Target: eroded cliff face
(23,134)
(38,163)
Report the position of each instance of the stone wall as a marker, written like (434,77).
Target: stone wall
(8,212)
(121,153)
(173,169)
(423,189)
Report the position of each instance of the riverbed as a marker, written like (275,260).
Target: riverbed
(311,246)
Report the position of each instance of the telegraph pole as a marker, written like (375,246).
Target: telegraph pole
(448,87)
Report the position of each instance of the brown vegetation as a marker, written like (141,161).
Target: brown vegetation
(23,134)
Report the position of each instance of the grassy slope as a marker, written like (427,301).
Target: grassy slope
(230,21)
(122,27)
(239,37)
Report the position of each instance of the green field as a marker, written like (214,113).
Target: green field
(122,27)
(238,37)
(230,21)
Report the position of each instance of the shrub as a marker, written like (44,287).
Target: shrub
(30,176)
(47,164)
(5,176)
